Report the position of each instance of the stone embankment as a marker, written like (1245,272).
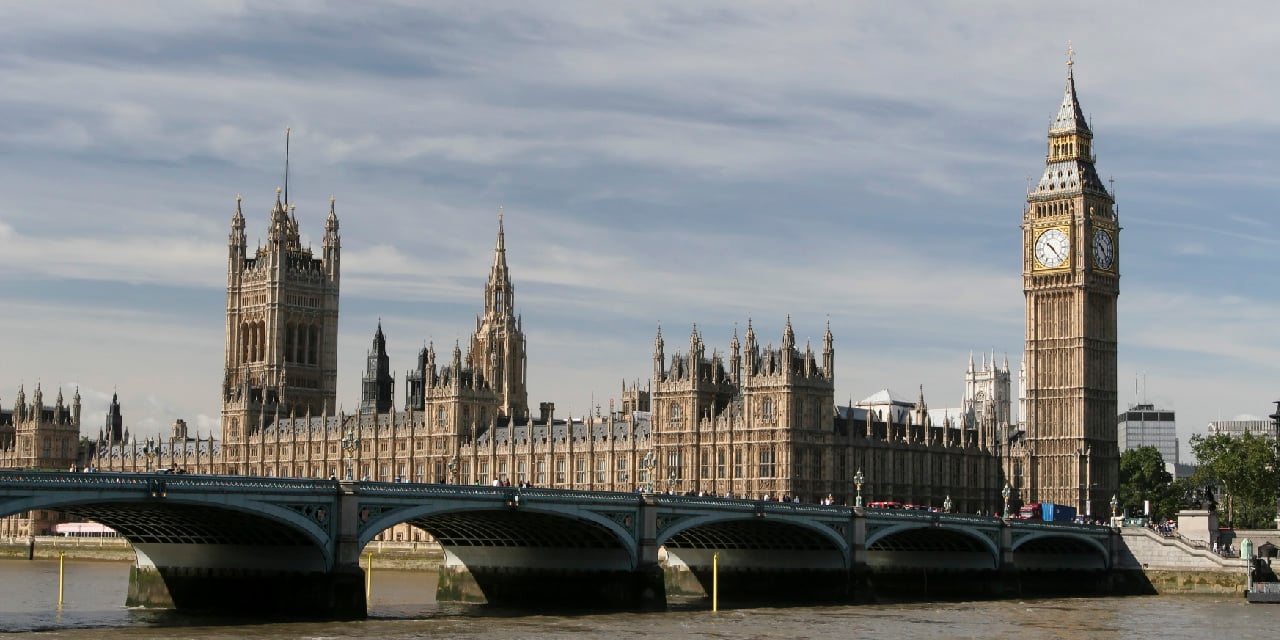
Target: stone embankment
(1174,565)
(74,548)
(386,555)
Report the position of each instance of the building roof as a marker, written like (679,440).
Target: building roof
(886,396)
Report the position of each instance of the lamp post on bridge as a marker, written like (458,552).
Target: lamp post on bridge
(646,467)
(350,445)
(946,504)
(857,484)
(1005,493)
(1115,502)
(149,451)
(453,469)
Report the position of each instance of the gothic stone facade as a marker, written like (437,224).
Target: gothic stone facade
(761,422)
(35,436)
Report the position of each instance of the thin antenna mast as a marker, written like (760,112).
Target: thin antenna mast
(287,131)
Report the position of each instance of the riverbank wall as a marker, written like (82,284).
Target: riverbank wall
(72,548)
(399,556)
(1174,565)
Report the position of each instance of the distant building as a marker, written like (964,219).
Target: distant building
(1143,425)
(1235,428)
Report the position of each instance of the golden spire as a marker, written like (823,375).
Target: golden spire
(1071,55)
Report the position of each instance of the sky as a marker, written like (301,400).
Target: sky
(659,164)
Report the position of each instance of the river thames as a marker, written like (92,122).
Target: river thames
(403,606)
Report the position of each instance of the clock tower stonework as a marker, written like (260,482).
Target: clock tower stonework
(1071,280)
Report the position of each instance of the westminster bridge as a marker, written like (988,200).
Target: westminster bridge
(277,545)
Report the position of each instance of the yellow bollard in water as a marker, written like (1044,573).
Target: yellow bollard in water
(368,577)
(61,563)
(715,582)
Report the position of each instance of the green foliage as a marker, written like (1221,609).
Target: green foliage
(1247,468)
(1144,478)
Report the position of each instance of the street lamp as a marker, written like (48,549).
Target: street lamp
(946,504)
(453,468)
(1115,502)
(350,445)
(671,479)
(1005,493)
(149,450)
(646,468)
(857,484)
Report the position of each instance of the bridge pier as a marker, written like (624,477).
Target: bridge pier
(288,581)
(337,595)
(758,576)
(508,580)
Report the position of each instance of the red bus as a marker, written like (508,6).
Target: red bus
(884,505)
(1030,511)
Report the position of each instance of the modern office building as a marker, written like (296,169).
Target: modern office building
(1143,425)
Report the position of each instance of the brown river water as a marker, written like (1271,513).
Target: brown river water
(402,606)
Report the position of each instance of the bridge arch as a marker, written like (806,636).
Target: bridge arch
(751,532)
(946,544)
(1060,550)
(154,519)
(530,525)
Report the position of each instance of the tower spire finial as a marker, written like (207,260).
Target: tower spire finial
(1071,56)
(287,131)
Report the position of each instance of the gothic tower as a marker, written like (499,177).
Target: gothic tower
(1071,280)
(497,347)
(377,386)
(282,327)
(986,394)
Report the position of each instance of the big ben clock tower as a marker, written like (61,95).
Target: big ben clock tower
(1071,280)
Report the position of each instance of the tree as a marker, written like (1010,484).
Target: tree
(1143,478)
(1247,468)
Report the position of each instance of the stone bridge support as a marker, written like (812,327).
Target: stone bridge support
(589,567)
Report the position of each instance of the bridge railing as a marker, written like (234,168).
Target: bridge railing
(393,489)
(1041,524)
(745,504)
(98,480)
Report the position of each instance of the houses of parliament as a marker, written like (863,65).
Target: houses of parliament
(749,421)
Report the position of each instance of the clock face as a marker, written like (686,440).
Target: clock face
(1052,248)
(1104,249)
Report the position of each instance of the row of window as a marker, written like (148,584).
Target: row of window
(301,342)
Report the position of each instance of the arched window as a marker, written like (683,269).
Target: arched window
(677,415)
(262,340)
(314,356)
(244,342)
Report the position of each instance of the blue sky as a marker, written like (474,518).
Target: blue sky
(663,162)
